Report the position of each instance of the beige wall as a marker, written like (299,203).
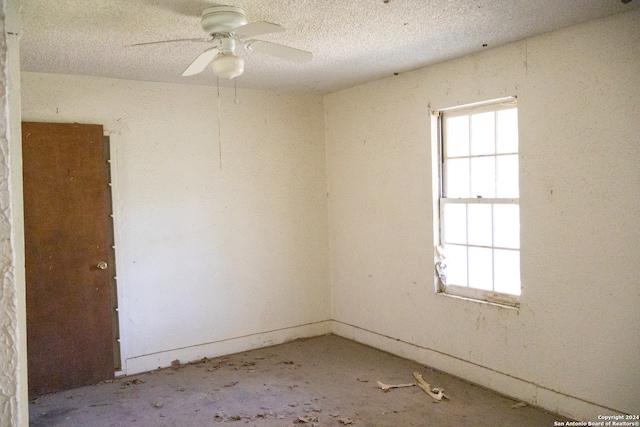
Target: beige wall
(573,345)
(209,260)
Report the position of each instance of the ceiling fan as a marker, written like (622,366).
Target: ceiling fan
(228,28)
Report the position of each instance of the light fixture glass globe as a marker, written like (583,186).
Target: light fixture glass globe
(228,66)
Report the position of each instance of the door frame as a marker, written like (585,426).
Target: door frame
(119,263)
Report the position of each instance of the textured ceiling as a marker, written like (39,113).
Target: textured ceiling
(353,41)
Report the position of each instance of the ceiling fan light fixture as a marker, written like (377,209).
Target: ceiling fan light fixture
(228,66)
(227,27)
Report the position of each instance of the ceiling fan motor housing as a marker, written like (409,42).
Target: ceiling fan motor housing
(222,19)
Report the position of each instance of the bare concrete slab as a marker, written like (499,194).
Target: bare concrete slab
(323,381)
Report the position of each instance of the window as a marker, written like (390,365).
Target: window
(479,248)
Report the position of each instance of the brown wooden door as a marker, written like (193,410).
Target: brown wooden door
(68,233)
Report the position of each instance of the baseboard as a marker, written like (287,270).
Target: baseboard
(505,384)
(149,362)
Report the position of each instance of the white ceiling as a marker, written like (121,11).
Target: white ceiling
(353,41)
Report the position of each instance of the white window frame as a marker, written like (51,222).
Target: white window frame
(441,201)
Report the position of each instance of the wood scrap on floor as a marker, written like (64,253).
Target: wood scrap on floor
(386,387)
(436,393)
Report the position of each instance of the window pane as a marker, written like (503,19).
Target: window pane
(507,271)
(483,140)
(455,223)
(506,225)
(507,131)
(507,181)
(480,268)
(483,177)
(480,225)
(456,136)
(457,177)
(456,264)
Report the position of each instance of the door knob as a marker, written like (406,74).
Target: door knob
(102,265)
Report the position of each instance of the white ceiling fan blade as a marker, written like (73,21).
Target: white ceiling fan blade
(285,52)
(201,62)
(254,29)
(170,41)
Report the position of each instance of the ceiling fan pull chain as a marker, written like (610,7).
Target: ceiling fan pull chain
(235,91)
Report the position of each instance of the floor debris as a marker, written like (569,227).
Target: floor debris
(327,388)
(518,405)
(437,393)
(386,387)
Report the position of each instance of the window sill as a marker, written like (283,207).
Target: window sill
(513,306)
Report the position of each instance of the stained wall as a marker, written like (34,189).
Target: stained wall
(214,254)
(572,345)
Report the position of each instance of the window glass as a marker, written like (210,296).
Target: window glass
(483,136)
(457,131)
(507,271)
(506,226)
(480,225)
(457,175)
(507,131)
(483,177)
(456,264)
(455,223)
(507,182)
(480,268)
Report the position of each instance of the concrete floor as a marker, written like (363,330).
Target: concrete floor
(323,381)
